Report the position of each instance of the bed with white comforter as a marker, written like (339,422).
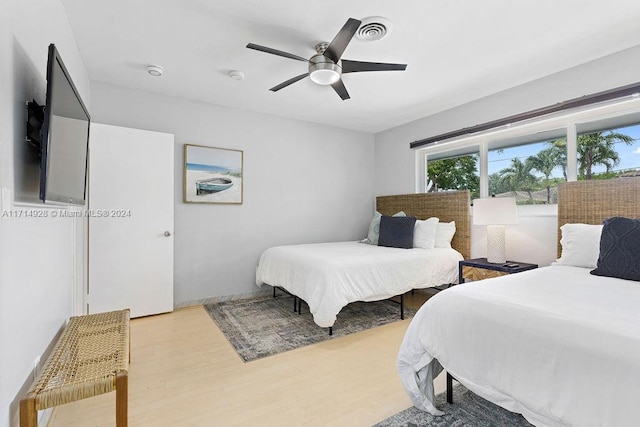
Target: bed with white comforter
(328,276)
(557,344)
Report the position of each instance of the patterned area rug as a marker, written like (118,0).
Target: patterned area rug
(468,410)
(263,327)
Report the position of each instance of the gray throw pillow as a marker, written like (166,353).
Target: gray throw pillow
(374,228)
(396,232)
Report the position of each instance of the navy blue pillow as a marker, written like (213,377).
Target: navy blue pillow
(396,231)
(619,249)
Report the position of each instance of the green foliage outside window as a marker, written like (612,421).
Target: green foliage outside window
(597,149)
(532,178)
(455,173)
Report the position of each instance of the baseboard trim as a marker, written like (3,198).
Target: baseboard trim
(225,298)
(14,407)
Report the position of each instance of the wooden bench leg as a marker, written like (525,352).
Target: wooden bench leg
(28,413)
(122,395)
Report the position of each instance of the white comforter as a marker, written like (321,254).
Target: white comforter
(556,344)
(328,276)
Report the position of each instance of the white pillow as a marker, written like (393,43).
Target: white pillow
(444,234)
(424,233)
(374,228)
(580,245)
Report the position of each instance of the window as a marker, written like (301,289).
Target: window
(457,172)
(529,172)
(609,153)
(529,160)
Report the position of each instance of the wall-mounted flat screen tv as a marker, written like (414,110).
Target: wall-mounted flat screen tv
(65,138)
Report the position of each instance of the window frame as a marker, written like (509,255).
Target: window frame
(570,122)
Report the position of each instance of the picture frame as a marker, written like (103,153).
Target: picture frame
(213,175)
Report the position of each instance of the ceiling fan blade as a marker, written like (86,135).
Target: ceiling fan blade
(276,52)
(358,66)
(288,82)
(341,40)
(341,90)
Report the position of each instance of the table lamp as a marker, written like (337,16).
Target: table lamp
(495,213)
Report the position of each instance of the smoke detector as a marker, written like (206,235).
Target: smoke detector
(236,75)
(155,70)
(374,28)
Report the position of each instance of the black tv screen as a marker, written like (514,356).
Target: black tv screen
(65,138)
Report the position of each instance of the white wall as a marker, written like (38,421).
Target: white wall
(303,182)
(533,240)
(38,262)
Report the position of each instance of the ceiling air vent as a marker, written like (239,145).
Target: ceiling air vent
(374,28)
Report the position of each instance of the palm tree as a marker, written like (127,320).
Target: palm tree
(518,177)
(559,149)
(496,186)
(597,148)
(545,162)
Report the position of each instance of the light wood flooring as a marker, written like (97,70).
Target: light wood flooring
(183,372)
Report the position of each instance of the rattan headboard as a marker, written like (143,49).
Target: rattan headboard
(593,201)
(447,205)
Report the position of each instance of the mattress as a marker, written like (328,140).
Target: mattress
(556,344)
(328,276)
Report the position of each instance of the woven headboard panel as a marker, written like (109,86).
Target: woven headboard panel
(593,201)
(448,206)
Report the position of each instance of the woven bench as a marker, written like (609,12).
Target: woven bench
(91,357)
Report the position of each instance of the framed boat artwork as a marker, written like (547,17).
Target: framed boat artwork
(212,175)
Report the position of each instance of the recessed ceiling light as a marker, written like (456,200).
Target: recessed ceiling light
(155,70)
(236,75)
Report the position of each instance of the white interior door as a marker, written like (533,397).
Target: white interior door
(131,220)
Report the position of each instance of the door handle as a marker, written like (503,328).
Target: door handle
(167,234)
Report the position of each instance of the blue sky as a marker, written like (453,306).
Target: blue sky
(629,154)
(229,159)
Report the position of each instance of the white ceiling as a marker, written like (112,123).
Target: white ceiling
(456,50)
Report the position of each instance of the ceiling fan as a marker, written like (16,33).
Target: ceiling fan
(326,66)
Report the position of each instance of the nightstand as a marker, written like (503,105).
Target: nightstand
(480,268)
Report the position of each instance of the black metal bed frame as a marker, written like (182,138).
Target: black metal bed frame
(297,303)
(450,388)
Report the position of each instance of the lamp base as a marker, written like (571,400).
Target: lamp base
(496,247)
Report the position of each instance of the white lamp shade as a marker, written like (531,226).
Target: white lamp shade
(495,211)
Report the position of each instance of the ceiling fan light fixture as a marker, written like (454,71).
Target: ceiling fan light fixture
(325,76)
(323,71)
(327,66)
